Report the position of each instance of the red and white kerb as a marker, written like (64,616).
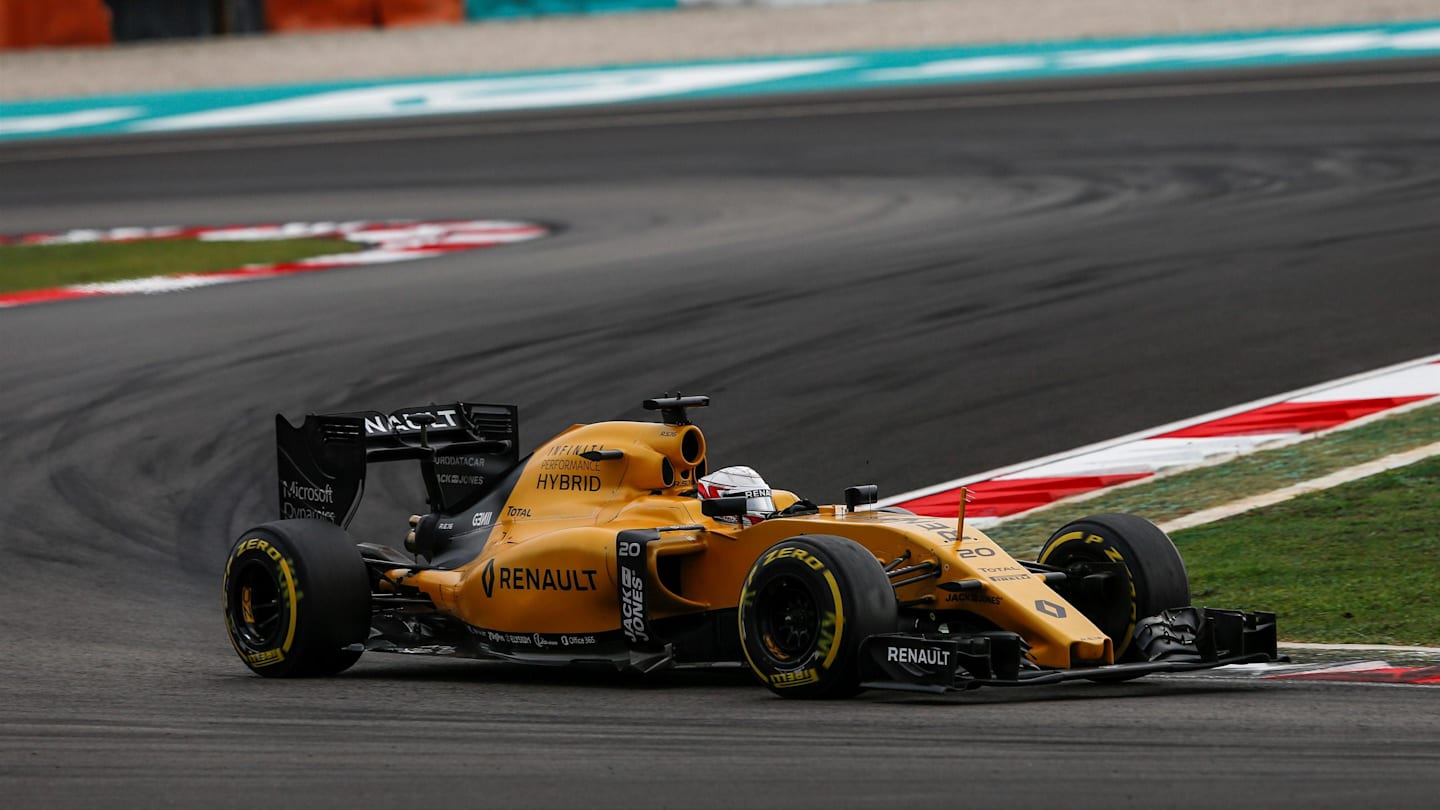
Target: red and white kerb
(386,242)
(1012,490)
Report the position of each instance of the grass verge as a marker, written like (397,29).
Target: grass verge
(1357,563)
(34,267)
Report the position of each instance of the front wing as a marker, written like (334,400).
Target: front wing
(1177,640)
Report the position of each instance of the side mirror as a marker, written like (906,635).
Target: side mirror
(863,495)
(723,507)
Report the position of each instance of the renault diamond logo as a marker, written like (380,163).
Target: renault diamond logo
(1042,605)
(487,578)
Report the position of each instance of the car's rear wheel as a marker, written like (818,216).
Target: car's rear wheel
(1151,574)
(807,604)
(297,599)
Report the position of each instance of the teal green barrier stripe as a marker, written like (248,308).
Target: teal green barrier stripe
(330,102)
(500,9)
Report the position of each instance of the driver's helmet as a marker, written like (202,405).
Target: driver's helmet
(733,482)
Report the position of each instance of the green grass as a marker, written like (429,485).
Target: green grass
(32,267)
(1357,563)
(1184,493)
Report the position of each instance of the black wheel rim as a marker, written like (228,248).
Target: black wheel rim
(788,619)
(1111,612)
(256,611)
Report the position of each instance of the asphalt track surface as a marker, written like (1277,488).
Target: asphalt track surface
(895,288)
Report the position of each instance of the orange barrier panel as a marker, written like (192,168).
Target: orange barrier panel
(320,15)
(317,15)
(421,12)
(35,24)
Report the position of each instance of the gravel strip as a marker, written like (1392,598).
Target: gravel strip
(704,33)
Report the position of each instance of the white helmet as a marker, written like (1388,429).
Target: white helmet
(734,482)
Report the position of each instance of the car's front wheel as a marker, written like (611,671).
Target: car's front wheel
(807,604)
(1152,576)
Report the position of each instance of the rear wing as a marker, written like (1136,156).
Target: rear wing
(463,450)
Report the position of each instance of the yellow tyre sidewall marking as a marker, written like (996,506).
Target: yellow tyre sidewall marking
(229,621)
(288,577)
(839,619)
(1071,537)
(290,592)
(747,596)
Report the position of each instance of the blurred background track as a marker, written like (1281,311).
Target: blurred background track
(559,41)
(900,290)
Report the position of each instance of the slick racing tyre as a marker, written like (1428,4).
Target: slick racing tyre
(296,596)
(1152,580)
(807,604)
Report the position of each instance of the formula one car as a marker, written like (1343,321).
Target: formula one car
(597,548)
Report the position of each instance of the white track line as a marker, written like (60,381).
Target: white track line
(1295,645)
(1360,647)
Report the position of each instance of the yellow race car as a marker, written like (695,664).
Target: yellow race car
(610,544)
